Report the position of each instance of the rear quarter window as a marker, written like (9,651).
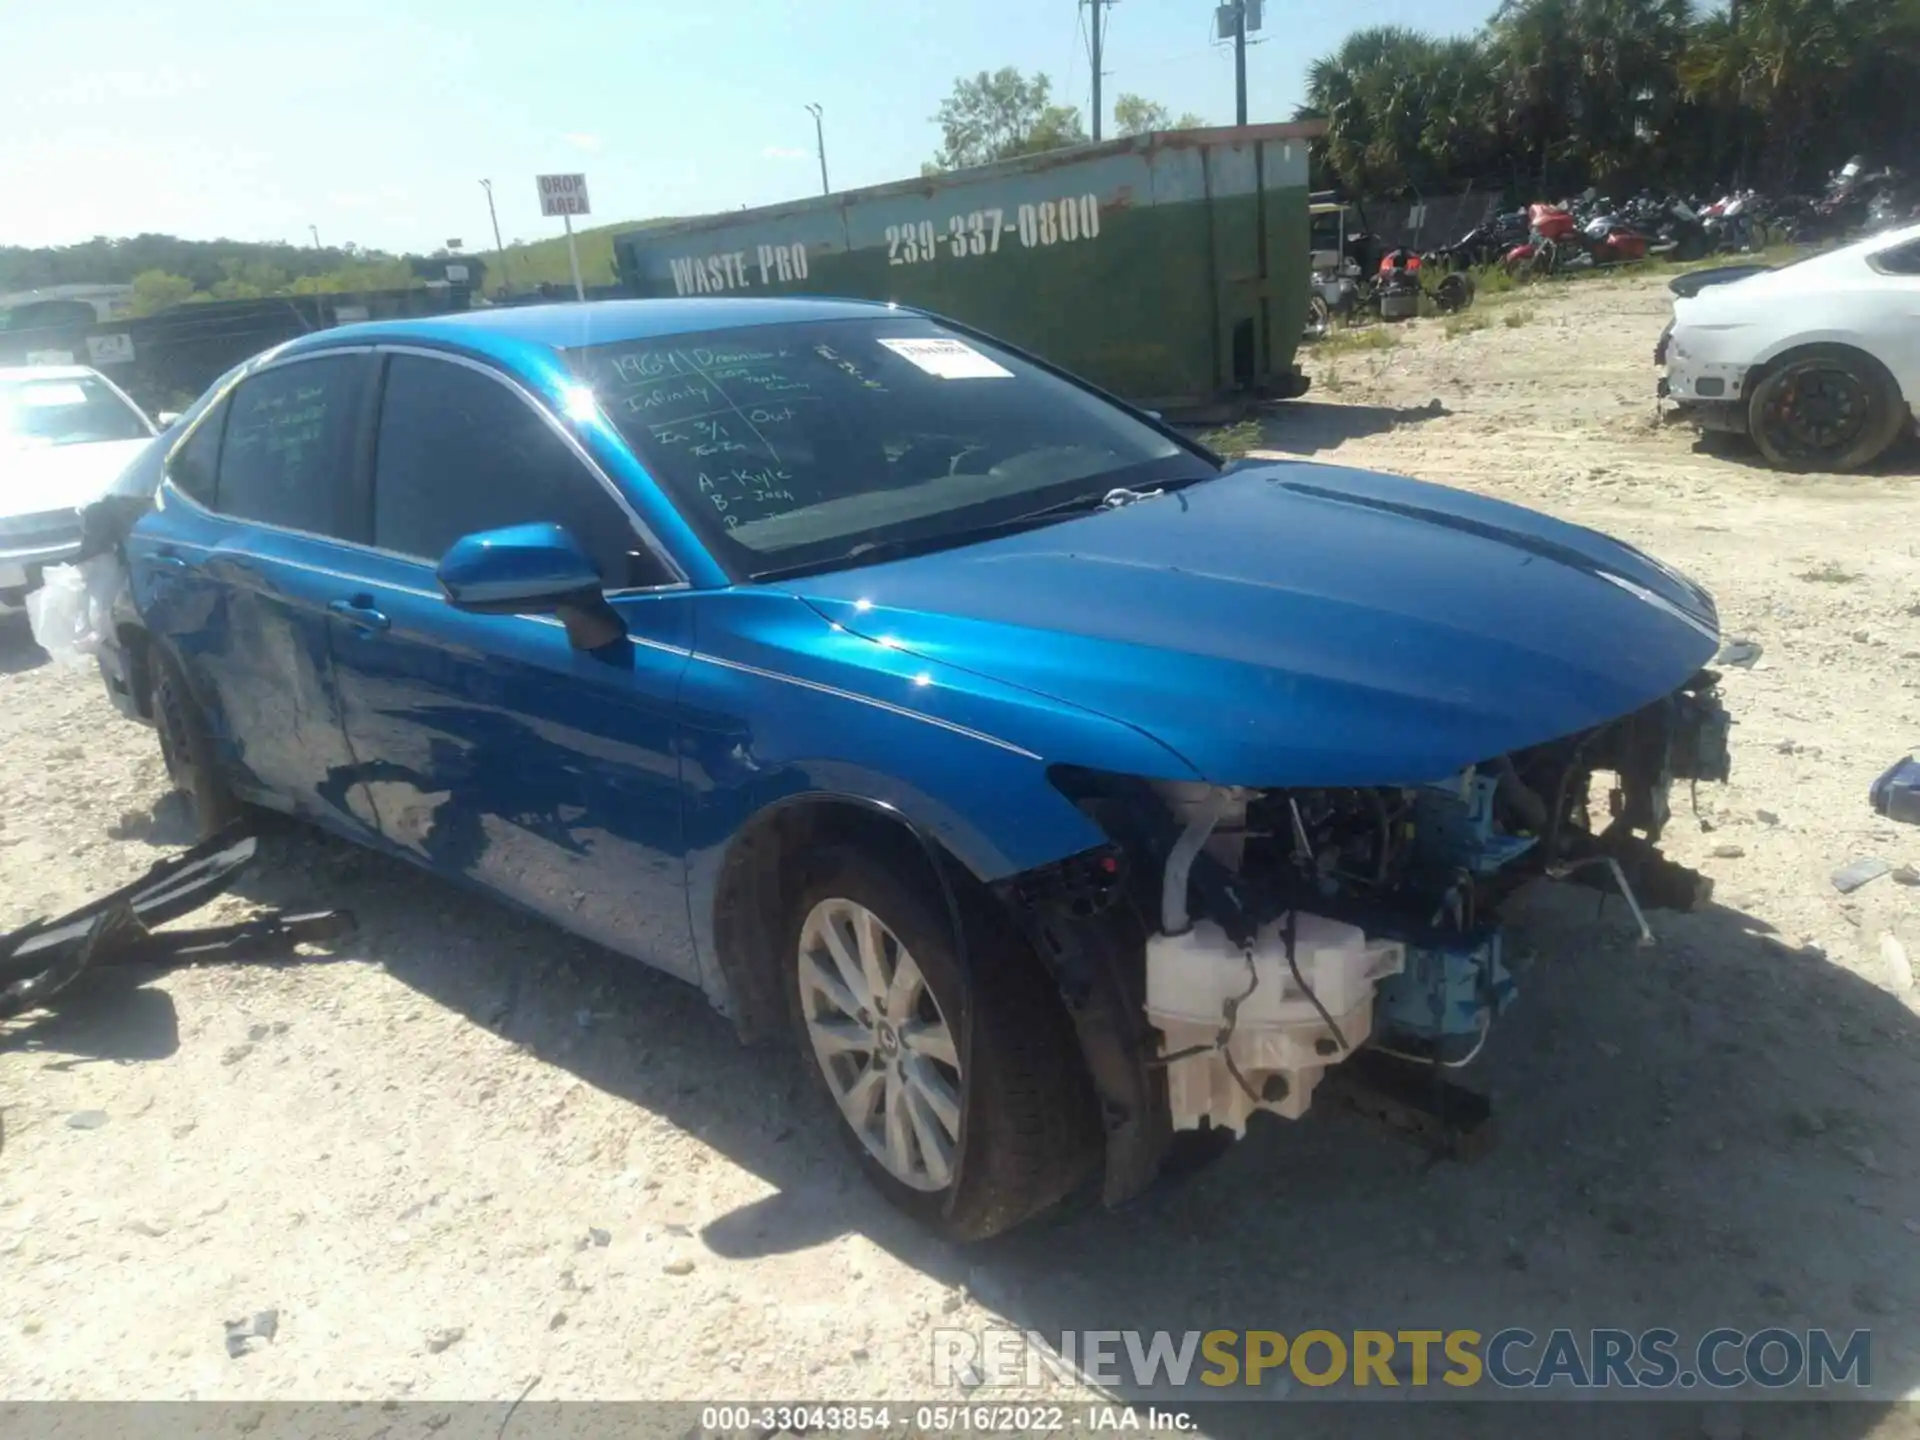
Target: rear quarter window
(193,463)
(1901,260)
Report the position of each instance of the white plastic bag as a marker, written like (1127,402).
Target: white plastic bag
(71,612)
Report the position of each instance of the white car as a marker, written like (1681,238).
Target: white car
(66,433)
(1818,361)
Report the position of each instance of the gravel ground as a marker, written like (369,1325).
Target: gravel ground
(464,1152)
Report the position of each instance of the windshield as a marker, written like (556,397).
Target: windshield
(808,445)
(75,411)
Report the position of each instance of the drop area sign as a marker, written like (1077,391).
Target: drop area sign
(566,196)
(563,195)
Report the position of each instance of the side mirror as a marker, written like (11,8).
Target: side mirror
(534,569)
(167,418)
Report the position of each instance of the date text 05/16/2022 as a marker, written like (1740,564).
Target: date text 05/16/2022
(943,1419)
(961,236)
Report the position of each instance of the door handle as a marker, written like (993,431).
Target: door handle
(171,559)
(359,612)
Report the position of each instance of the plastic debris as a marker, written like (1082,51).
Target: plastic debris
(1896,794)
(70,614)
(261,1325)
(44,957)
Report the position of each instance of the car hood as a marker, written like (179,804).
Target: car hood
(38,478)
(1301,624)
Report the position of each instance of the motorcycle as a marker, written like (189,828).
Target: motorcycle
(1485,244)
(1733,222)
(1675,228)
(1402,281)
(1558,240)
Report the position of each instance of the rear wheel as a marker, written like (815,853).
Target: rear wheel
(1826,408)
(969,1141)
(187,747)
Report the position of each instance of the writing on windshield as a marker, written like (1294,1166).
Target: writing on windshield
(823,437)
(723,415)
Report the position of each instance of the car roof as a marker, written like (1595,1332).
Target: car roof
(49,372)
(602,322)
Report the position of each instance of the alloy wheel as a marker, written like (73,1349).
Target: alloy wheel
(1819,413)
(882,1042)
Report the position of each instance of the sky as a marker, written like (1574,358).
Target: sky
(373,121)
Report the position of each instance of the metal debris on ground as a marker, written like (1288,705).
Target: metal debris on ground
(44,957)
(1855,873)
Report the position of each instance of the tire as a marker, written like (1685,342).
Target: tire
(1454,292)
(1024,1112)
(1319,317)
(187,748)
(1826,407)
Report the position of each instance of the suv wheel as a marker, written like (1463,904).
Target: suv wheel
(970,1141)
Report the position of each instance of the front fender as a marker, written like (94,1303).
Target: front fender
(779,704)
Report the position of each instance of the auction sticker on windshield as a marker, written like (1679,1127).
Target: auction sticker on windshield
(949,359)
(46,397)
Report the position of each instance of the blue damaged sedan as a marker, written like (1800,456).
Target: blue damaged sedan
(1052,785)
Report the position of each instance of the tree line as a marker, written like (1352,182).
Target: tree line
(1000,114)
(165,270)
(1551,96)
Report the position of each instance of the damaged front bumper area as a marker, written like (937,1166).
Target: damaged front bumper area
(1234,948)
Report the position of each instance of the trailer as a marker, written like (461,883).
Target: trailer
(1170,268)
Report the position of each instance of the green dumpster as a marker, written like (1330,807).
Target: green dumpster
(1171,269)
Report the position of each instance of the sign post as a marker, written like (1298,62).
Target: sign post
(566,196)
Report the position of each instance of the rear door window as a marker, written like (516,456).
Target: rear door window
(285,453)
(460,452)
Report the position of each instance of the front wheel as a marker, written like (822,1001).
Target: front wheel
(969,1138)
(1319,317)
(1826,408)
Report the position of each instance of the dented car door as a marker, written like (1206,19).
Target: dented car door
(237,585)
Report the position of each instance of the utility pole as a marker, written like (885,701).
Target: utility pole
(1239,62)
(1232,21)
(314,230)
(1095,43)
(498,248)
(819,145)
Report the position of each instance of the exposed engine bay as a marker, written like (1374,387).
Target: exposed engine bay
(1297,928)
